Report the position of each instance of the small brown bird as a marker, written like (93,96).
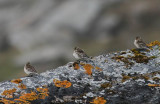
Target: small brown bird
(30,70)
(79,53)
(139,43)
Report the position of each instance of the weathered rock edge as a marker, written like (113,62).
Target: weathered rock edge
(117,77)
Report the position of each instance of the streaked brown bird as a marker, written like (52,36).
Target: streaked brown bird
(79,53)
(139,43)
(29,69)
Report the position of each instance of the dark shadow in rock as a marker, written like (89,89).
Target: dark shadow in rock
(142,49)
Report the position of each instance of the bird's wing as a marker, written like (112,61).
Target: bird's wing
(32,68)
(85,55)
(82,53)
(80,50)
(142,44)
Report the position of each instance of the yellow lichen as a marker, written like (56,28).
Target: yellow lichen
(123,59)
(105,85)
(135,51)
(154,73)
(154,43)
(145,77)
(99,69)
(156,79)
(99,100)
(22,86)
(9,93)
(139,58)
(125,77)
(154,85)
(135,77)
(17,81)
(65,83)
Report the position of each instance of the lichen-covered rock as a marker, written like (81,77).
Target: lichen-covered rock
(126,77)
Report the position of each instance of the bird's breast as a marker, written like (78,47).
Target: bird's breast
(76,55)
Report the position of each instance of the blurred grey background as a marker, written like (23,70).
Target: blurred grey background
(44,32)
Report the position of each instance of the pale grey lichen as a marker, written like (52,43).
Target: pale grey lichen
(116,82)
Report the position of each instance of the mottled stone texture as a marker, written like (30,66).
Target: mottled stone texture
(126,77)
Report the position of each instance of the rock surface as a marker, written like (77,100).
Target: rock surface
(126,77)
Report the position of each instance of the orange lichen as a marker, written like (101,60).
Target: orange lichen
(29,96)
(88,68)
(17,81)
(22,86)
(20,101)
(99,100)
(99,69)
(154,43)
(9,93)
(42,89)
(57,83)
(43,92)
(154,85)
(42,95)
(25,97)
(5,101)
(65,83)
